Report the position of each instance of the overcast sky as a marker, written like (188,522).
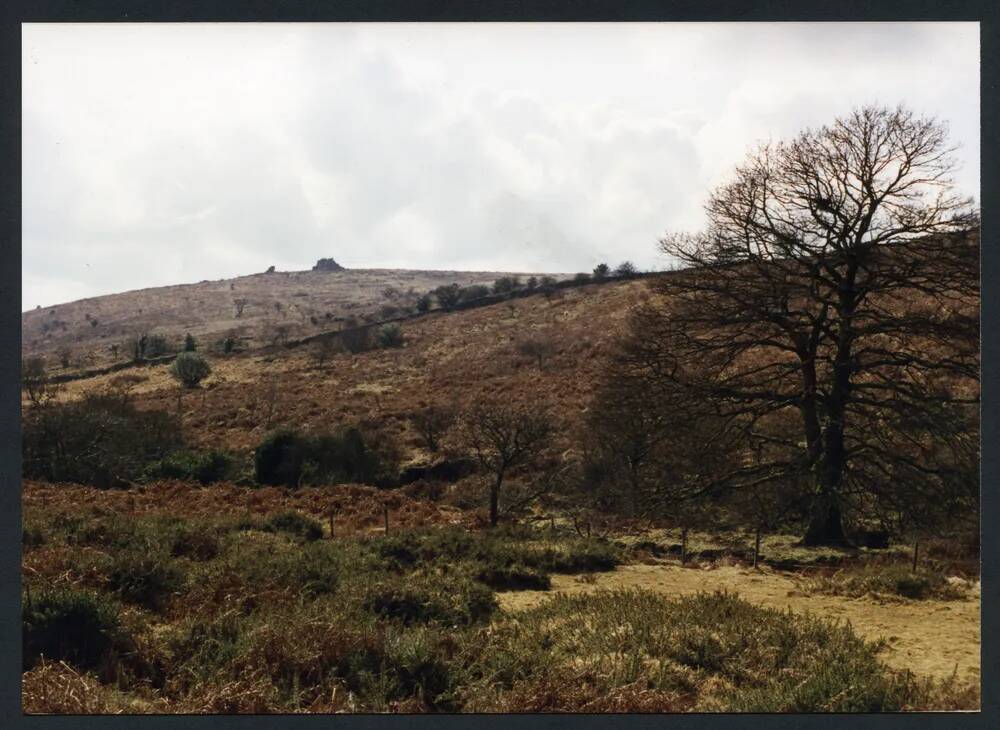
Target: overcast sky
(165,154)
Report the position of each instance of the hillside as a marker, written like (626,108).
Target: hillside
(252,309)
(455,357)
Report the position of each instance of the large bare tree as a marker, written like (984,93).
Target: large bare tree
(828,314)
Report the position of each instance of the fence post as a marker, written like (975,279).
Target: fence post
(385,513)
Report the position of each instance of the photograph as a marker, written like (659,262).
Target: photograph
(499,367)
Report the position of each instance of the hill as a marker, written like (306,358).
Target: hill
(252,309)
(447,358)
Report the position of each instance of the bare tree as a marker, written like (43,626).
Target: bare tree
(538,347)
(323,349)
(431,423)
(829,311)
(239,305)
(36,382)
(504,438)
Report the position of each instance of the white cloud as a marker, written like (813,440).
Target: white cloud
(155,154)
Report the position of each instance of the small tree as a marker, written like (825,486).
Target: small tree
(506,284)
(582,278)
(601,271)
(190,369)
(532,283)
(65,356)
(473,292)
(239,305)
(538,347)
(390,335)
(323,349)
(35,381)
(424,303)
(502,438)
(625,270)
(448,295)
(431,423)
(189,343)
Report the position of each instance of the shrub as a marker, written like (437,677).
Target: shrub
(194,543)
(279,458)
(702,653)
(892,580)
(351,456)
(506,284)
(190,345)
(601,271)
(75,626)
(455,602)
(447,295)
(625,270)
(424,303)
(356,338)
(390,335)
(537,347)
(515,577)
(156,345)
(204,467)
(102,440)
(32,536)
(295,523)
(432,423)
(147,580)
(581,278)
(190,369)
(472,292)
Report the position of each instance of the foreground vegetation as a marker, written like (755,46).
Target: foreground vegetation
(267,613)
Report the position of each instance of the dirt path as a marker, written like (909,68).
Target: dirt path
(930,638)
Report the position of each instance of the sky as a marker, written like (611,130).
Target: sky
(159,154)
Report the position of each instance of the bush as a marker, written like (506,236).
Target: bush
(146,580)
(190,369)
(581,278)
(699,653)
(70,625)
(204,467)
(506,284)
(279,459)
(455,602)
(194,543)
(515,577)
(390,335)
(190,345)
(601,271)
(356,338)
(295,523)
(473,292)
(101,440)
(447,295)
(155,346)
(881,580)
(625,270)
(424,303)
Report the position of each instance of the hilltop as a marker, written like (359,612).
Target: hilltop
(252,309)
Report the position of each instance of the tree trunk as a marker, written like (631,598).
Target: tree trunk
(684,545)
(756,547)
(826,525)
(495,502)
(916,547)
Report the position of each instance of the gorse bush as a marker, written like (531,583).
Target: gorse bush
(294,523)
(706,652)
(190,368)
(289,458)
(204,467)
(390,335)
(146,580)
(80,627)
(102,440)
(255,616)
(887,581)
